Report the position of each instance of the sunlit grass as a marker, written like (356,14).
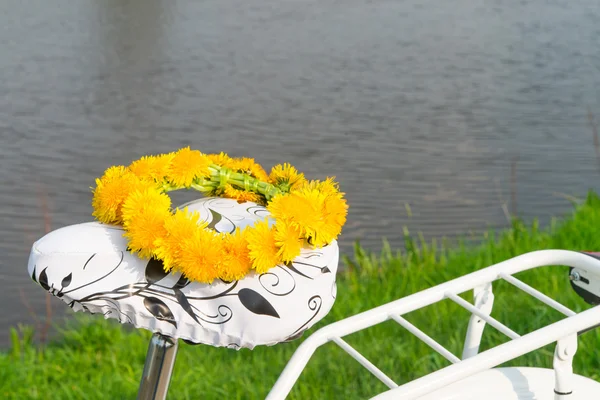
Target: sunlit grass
(98,359)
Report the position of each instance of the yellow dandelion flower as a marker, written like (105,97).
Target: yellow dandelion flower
(143,230)
(336,208)
(251,167)
(144,215)
(287,176)
(316,208)
(263,250)
(145,200)
(326,187)
(240,195)
(116,171)
(236,257)
(330,210)
(111,191)
(188,165)
(200,256)
(288,239)
(221,159)
(179,227)
(152,167)
(301,209)
(334,212)
(330,206)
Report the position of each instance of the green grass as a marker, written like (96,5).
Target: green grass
(97,359)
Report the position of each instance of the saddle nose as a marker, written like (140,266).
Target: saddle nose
(74,241)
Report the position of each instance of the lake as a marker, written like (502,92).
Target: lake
(430,114)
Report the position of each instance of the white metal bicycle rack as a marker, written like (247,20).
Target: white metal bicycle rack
(585,279)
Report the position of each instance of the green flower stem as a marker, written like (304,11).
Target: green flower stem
(239,180)
(236,179)
(202,185)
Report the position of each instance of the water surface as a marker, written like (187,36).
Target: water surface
(422,103)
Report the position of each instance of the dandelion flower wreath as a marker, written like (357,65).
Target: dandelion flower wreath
(135,196)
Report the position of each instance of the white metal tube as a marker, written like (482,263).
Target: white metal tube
(419,300)
(493,357)
(365,363)
(484,300)
(563,367)
(425,338)
(537,294)
(492,321)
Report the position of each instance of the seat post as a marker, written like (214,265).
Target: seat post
(563,367)
(160,360)
(484,300)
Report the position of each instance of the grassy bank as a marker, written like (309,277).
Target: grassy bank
(101,360)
